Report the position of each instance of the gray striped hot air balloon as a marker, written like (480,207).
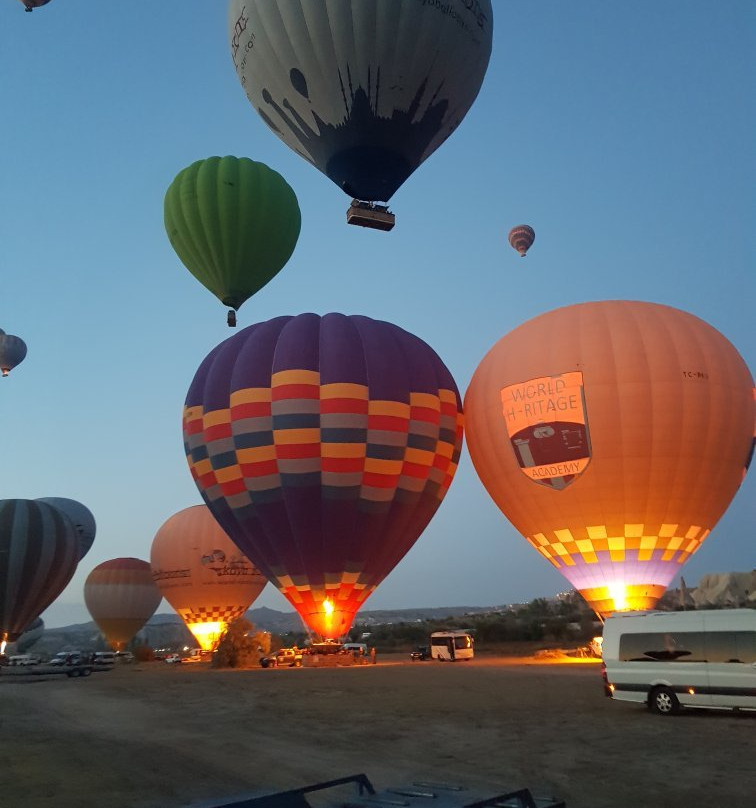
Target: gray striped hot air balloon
(39,551)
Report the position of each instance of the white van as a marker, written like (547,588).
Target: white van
(23,659)
(451,645)
(670,660)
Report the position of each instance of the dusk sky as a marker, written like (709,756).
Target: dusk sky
(622,132)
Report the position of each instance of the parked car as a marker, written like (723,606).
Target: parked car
(67,658)
(420,652)
(23,659)
(124,656)
(172,659)
(104,658)
(283,658)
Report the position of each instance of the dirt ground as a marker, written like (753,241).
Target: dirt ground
(157,736)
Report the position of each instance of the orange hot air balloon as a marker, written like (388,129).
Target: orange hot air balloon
(121,597)
(203,574)
(613,435)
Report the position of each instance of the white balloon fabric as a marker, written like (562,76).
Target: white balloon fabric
(366,90)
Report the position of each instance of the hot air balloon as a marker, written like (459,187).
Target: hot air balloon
(31,635)
(234,224)
(323,446)
(121,597)
(81,517)
(522,238)
(203,574)
(12,352)
(32,4)
(38,556)
(364,90)
(613,435)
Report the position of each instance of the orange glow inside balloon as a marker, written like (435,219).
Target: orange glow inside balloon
(207,634)
(329,616)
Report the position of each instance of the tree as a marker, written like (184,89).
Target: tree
(241,646)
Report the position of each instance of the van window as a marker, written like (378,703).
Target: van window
(668,646)
(731,646)
(463,642)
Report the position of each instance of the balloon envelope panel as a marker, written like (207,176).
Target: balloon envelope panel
(234,224)
(32,4)
(12,352)
(31,635)
(613,435)
(121,597)
(203,574)
(364,90)
(38,557)
(521,238)
(82,519)
(323,446)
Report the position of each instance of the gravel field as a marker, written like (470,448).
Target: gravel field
(157,736)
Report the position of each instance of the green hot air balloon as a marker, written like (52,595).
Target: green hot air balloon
(234,224)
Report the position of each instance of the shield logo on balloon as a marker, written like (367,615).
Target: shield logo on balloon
(547,426)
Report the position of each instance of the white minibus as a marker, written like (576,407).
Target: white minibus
(670,660)
(451,645)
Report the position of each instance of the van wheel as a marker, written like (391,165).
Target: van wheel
(86,671)
(663,701)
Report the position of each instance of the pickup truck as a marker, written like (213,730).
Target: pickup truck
(283,658)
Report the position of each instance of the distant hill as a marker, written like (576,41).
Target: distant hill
(716,590)
(169,631)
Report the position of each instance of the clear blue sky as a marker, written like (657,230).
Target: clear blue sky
(623,132)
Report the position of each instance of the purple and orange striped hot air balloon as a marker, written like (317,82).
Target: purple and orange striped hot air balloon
(323,446)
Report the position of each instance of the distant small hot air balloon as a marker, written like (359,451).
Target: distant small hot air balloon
(234,224)
(81,517)
(12,352)
(522,238)
(121,597)
(38,557)
(203,574)
(323,446)
(613,435)
(32,4)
